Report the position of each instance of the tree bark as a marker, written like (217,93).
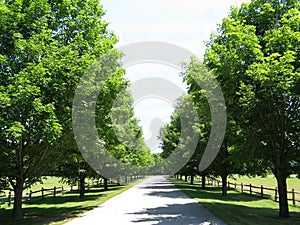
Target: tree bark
(282,192)
(18,192)
(224,180)
(185,178)
(224,170)
(192,179)
(105,184)
(203,182)
(81,185)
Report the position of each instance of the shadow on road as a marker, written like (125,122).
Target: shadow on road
(176,209)
(174,214)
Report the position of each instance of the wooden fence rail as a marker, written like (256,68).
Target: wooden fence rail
(263,192)
(8,198)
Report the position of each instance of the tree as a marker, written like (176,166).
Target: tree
(255,56)
(180,139)
(227,161)
(105,128)
(45,48)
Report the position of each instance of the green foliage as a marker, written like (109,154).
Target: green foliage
(255,56)
(45,48)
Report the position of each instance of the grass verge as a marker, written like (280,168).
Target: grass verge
(62,208)
(238,208)
(292,182)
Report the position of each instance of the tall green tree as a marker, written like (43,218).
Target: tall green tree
(255,56)
(45,48)
(180,139)
(227,161)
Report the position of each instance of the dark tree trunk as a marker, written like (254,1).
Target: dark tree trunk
(224,170)
(81,185)
(203,181)
(192,179)
(18,192)
(224,175)
(180,177)
(185,178)
(126,180)
(105,184)
(282,192)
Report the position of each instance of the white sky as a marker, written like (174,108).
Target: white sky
(186,23)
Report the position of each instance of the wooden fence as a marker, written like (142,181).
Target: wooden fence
(263,192)
(43,192)
(8,198)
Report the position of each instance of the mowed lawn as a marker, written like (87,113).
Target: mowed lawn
(292,183)
(62,208)
(238,208)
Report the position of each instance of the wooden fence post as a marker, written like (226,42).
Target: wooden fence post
(62,190)
(261,191)
(293,197)
(9,198)
(234,186)
(42,192)
(275,194)
(250,189)
(30,195)
(54,191)
(242,187)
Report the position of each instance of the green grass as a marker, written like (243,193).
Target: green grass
(238,208)
(47,182)
(269,182)
(62,208)
(292,183)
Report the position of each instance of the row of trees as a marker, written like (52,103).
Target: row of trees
(255,57)
(45,48)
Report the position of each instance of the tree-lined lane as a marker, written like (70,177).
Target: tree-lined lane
(153,201)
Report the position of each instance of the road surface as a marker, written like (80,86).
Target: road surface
(154,201)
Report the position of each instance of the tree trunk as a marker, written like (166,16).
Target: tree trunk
(185,178)
(180,177)
(192,179)
(18,192)
(224,170)
(81,185)
(282,192)
(224,175)
(105,184)
(203,182)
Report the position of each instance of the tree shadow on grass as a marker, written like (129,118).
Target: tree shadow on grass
(52,209)
(35,215)
(241,214)
(231,208)
(214,193)
(62,199)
